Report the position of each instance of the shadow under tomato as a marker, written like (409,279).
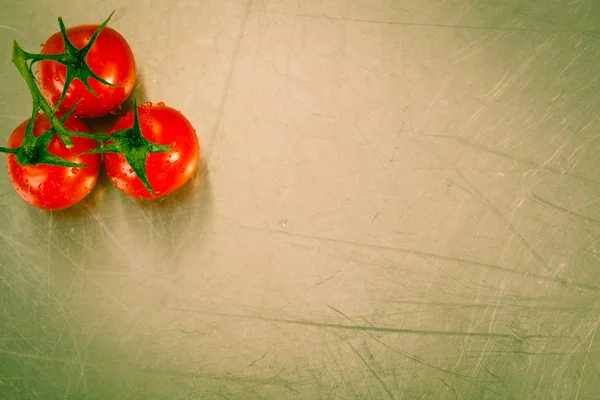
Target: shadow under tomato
(90,202)
(186,194)
(171,226)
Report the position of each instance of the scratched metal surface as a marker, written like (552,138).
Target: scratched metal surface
(400,200)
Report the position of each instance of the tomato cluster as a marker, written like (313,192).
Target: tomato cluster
(88,71)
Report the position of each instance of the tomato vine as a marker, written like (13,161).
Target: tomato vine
(33,150)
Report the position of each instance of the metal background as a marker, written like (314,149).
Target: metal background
(400,200)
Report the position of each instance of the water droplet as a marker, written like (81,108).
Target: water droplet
(57,78)
(160,104)
(43,44)
(131,170)
(74,170)
(69,90)
(147,104)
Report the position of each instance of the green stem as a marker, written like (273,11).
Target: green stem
(89,136)
(28,145)
(8,150)
(41,57)
(19,58)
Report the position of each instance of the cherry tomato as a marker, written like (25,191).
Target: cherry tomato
(167,171)
(54,187)
(110,58)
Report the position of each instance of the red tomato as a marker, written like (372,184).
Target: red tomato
(54,187)
(167,171)
(110,58)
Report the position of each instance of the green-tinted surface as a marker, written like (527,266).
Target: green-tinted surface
(402,201)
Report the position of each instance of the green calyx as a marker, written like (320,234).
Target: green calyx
(133,146)
(34,152)
(74,59)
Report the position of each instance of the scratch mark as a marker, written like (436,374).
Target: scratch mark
(532,353)
(322,281)
(116,241)
(257,360)
(495,376)
(452,390)
(517,74)
(546,203)
(91,278)
(587,356)
(496,89)
(375,215)
(373,372)
(49,257)
(467,378)
(571,29)
(437,96)
(251,184)
(481,44)
(24,338)
(461,186)
(381,164)
(10,28)
(510,225)
(445,273)
(14,244)
(466,142)
(569,64)
(275,380)
(534,307)
(489,205)
(370,328)
(80,362)
(553,279)
(147,219)
(418,24)
(337,366)
(39,357)
(550,158)
(227,88)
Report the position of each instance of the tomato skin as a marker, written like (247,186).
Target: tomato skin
(110,58)
(167,171)
(53,187)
